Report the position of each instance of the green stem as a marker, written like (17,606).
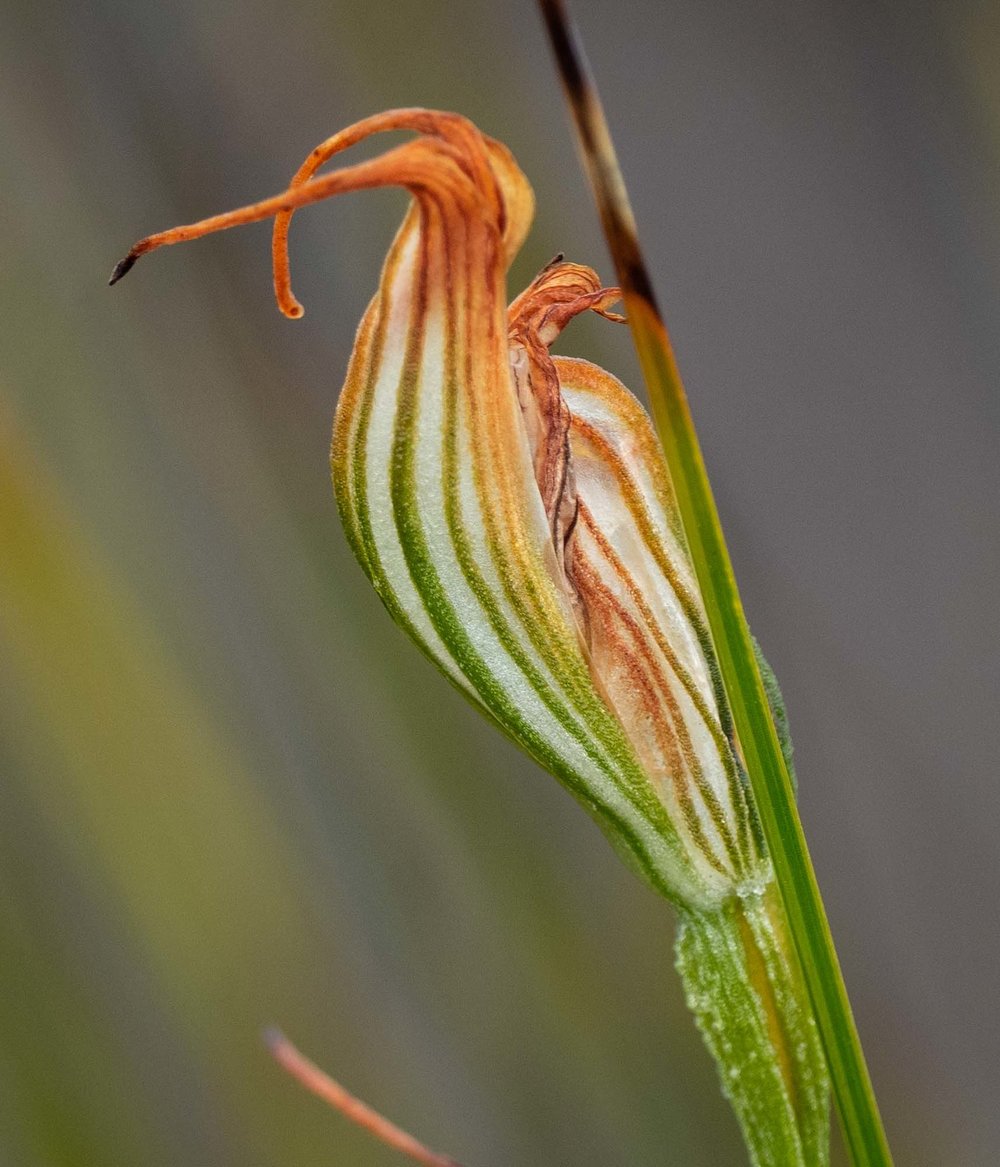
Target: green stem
(746,994)
(810,931)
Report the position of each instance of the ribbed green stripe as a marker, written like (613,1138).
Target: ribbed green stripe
(350,469)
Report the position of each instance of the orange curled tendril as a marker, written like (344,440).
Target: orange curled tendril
(449,148)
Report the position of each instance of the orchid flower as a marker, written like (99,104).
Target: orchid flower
(513,512)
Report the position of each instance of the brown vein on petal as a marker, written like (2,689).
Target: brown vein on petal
(633,495)
(664,712)
(610,621)
(712,716)
(584,376)
(650,629)
(611,460)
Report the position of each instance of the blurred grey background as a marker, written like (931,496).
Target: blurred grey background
(232,794)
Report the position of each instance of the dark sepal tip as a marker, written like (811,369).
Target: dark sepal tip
(122,268)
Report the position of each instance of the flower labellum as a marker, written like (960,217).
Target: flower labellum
(513,511)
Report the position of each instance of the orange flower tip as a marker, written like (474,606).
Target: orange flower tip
(123,267)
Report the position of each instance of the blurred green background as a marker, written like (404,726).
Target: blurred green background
(233,795)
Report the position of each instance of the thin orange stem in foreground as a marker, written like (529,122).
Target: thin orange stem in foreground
(360,1113)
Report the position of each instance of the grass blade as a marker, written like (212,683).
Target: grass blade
(855,1098)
